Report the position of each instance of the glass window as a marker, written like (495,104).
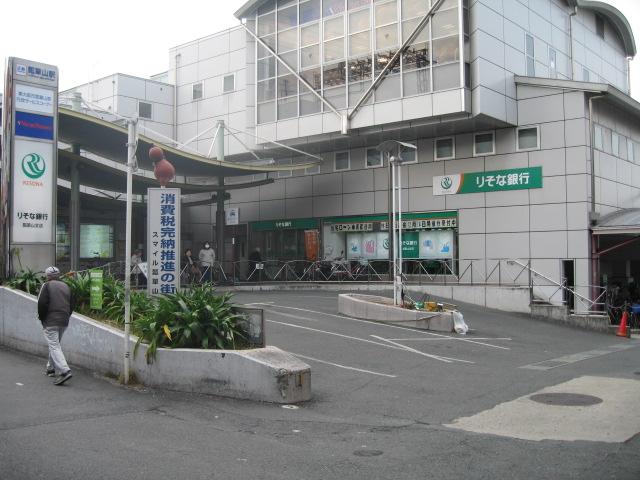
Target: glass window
(386,13)
(381,60)
(446,50)
(144,110)
(266,112)
(309,11)
(360,69)
(484,144)
(598,137)
(445,23)
(267,7)
(229,83)
(359,44)
(529,46)
(334,50)
(266,68)
(196,92)
(287,108)
(288,40)
(310,56)
(585,75)
(357,3)
(388,89)
(309,103)
(334,74)
(447,76)
(270,40)
(374,158)
(285,173)
(414,8)
(444,148)
(314,77)
(356,90)
(285,3)
(528,138)
(266,90)
(630,151)
(266,24)
(312,170)
(416,82)
(409,155)
(410,25)
(599,26)
(386,37)
(615,144)
(359,21)
(336,96)
(416,56)
(553,71)
(288,18)
(310,35)
(291,59)
(332,7)
(341,161)
(287,86)
(333,28)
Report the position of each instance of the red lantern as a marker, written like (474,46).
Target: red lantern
(162,168)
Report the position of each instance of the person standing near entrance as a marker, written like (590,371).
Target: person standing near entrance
(207,257)
(55,305)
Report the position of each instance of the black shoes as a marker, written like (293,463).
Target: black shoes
(50,372)
(63,378)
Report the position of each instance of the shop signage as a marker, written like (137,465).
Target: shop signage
(410,245)
(424,224)
(493,181)
(34,99)
(292,224)
(33,125)
(33,183)
(95,289)
(163,214)
(352,227)
(232,216)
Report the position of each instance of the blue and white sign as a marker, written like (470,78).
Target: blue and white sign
(163,251)
(34,99)
(32,125)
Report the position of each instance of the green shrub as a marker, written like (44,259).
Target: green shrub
(27,281)
(80,286)
(193,319)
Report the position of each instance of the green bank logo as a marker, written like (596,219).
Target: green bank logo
(446,183)
(33,166)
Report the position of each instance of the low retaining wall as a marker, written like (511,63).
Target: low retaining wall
(265,374)
(508,299)
(367,307)
(560,314)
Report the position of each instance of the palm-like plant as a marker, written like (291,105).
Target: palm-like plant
(27,281)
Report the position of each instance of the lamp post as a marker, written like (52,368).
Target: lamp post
(392,150)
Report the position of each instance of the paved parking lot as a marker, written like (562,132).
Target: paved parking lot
(388,402)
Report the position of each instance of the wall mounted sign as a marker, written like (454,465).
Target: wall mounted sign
(494,181)
(163,236)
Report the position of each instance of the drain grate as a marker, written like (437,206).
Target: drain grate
(566,399)
(367,453)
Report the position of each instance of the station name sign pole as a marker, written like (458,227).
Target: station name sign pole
(29,165)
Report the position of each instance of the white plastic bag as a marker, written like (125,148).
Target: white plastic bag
(458,323)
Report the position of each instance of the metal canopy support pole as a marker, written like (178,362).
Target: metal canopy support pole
(399,167)
(131,151)
(393,231)
(219,147)
(74,212)
(390,214)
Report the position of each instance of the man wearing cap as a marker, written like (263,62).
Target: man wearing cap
(55,305)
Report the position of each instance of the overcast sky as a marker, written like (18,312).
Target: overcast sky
(88,40)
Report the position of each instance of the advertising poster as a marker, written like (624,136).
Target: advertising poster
(96,289)
(382,240)
(33,183)
(410,247)
(311,244)
(369,245)
(34,99)
(436,244)
(354,245)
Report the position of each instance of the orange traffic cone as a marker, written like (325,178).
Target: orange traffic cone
(622,329)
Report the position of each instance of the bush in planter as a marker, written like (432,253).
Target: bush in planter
(196,318)
(27,281)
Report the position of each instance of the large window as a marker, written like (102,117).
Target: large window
(340,46)
(341,162)
(444,148)
(528,138)
(374,158)
(484,144)
(96,240)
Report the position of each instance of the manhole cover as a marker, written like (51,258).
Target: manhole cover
(566,399)
(367,453)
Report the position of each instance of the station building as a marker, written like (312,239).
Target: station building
(528,144)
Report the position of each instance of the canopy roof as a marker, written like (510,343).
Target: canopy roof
(109,140)
(626,221)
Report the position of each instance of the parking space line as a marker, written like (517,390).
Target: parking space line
(289,315)
(435,357)
(389,326)
(424,339)
(343,366)
(578,357)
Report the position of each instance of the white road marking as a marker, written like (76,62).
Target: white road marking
(289,315)
(444,338)
(578,357)
(386,325)
(20,384)
(435,357)
(343,366)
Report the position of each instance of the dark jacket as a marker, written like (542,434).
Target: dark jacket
(55,304)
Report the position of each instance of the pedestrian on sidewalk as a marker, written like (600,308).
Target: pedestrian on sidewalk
(55,305)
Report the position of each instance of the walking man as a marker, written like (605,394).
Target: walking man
(55,305)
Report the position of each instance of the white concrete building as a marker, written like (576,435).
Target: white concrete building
(507,102)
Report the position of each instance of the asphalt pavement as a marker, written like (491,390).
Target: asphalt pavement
(388,402)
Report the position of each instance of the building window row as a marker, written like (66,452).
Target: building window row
(608,141)
(339,46)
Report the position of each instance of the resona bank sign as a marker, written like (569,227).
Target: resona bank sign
(29,158)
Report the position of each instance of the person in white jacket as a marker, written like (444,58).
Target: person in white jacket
(207,258)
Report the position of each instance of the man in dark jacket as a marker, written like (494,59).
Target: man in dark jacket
(55,305)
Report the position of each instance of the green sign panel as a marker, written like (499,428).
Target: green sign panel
(96,284)
(292,224)
(494,181)
(410,245)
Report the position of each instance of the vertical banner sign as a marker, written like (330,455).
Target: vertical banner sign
(96,289)
(30,135)
(311,245)
(163,234)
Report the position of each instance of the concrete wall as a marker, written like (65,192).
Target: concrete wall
(266,374)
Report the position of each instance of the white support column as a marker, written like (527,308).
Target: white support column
(131,152)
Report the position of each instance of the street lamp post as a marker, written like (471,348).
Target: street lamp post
(393,151)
